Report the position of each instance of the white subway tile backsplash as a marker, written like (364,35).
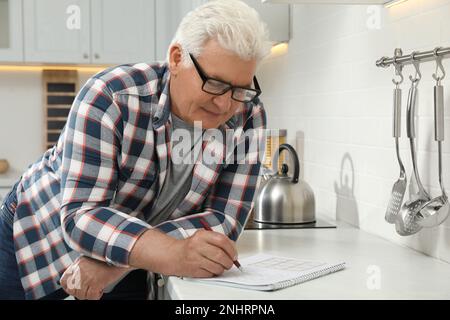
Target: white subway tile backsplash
(426,5)
(427,35)
(382,163)
(328,87)
(445,23)
(325,202)
(442,244)
(365,131)
(405,10)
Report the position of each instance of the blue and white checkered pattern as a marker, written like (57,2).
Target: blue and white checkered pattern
(92,193)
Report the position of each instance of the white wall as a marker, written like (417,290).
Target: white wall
(22,117)
(327,88)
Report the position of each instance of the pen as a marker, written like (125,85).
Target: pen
(207,227)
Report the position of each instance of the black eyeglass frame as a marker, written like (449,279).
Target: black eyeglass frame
(205,78)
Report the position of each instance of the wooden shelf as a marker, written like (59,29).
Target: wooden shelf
(60,88)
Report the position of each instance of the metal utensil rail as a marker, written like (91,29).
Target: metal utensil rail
(421,210)
(416,55)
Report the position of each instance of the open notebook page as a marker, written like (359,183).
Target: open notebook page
(263,270)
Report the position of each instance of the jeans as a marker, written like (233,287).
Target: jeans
(132,287)
(10,285)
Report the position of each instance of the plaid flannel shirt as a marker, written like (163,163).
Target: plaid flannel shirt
(92,192)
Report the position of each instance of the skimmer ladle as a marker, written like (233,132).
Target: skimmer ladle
(435,211)
(405,223)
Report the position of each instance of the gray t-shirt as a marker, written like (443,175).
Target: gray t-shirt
(178,176)
(177,182)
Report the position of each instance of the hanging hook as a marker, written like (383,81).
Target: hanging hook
(416,65)
(438,65)
(398,72)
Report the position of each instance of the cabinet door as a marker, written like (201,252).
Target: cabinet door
(169,14)
(276,16)
(56,31)
(123,31)
(11,40)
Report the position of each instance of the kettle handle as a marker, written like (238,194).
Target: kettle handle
(293,153)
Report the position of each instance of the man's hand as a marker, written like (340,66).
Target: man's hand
(86,278)
(204,254)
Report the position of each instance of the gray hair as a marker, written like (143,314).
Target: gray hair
(236,26)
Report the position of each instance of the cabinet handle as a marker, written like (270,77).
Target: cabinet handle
(96,56)
(85,56)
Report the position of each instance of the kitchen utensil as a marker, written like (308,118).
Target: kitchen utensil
(4,165)
(283,199)
(405,223)
(399,188)
(435,211)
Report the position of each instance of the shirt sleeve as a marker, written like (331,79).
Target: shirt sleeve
(227,207)
(89,175)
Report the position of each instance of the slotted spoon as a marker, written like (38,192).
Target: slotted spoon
(399,188)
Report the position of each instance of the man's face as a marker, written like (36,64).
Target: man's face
(190,102)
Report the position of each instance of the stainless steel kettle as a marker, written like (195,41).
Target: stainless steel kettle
(284,199)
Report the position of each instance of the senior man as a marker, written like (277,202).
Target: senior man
(110,202)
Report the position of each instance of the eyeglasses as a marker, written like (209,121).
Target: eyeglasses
(218,87)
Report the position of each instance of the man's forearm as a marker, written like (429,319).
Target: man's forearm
(152,251)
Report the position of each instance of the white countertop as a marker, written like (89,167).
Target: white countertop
(403,272)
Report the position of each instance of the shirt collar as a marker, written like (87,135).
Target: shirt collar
(162,112)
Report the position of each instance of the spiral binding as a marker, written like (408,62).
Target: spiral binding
(309,276)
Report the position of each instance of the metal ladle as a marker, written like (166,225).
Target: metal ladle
(405,223)
(435,211)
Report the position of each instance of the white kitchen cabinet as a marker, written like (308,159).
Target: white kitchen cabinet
(89,31)
(103,31)
(169,14)
(11,41)
(122,32)
(57,31)
(277,18)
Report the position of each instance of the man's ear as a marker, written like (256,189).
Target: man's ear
(175,58)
